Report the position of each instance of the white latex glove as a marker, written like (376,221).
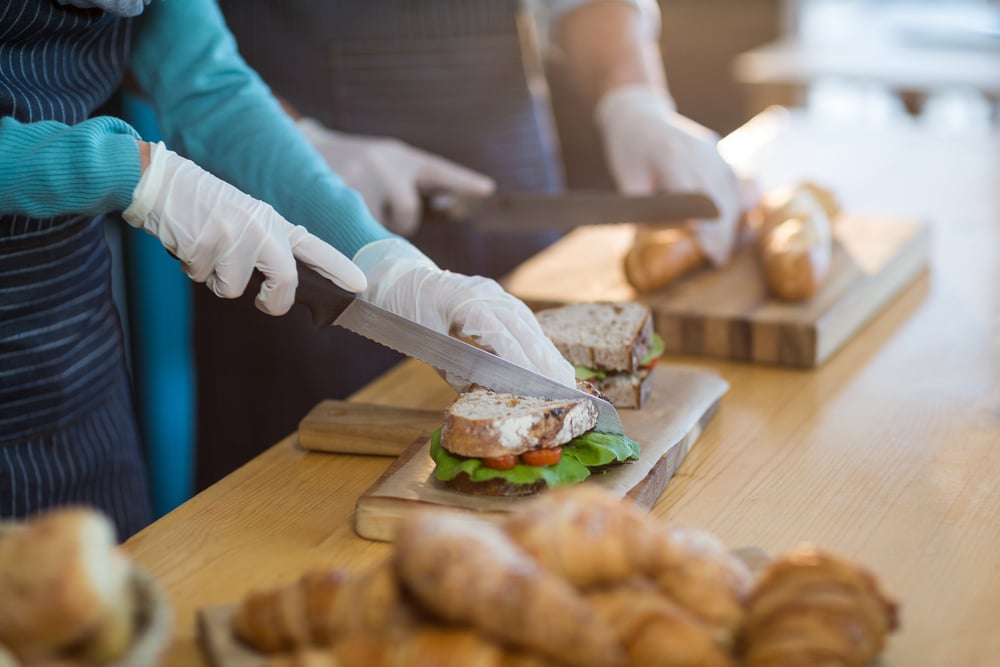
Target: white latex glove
(651,147)
(405,281)
(390,174)
(221,235)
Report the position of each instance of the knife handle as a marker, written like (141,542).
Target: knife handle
(324,299)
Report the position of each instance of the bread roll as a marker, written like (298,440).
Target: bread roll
(660,256)
(64,585)
(795,240)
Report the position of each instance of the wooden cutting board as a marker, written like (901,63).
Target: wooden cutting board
(727,312)
(682,400)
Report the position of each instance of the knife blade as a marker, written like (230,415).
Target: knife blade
(516,212)
(332,305)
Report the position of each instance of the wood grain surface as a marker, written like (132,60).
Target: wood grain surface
(728,312)
(886,453)
(351,427)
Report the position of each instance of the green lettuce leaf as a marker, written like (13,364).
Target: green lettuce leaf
(580,454)
(585,373)
(656,349)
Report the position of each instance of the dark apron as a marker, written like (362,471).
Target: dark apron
(447,76)
(67,428)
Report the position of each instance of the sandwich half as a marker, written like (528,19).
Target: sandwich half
(611,345)
(498,444)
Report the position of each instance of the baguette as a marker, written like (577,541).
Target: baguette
(658,257)
(795,240)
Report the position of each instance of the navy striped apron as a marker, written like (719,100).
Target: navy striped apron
(68,433)
(447,76)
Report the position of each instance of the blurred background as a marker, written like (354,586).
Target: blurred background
(930,63)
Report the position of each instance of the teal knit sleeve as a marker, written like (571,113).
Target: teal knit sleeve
(213,109)
(49,168)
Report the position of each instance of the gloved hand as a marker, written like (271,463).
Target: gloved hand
(651,147)
(405,281)
(221,234)
(390,174)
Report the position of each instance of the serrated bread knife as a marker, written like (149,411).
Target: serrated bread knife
(329,304)
(529,211)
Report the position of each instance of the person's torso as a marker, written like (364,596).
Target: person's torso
(447,76)
(59,332)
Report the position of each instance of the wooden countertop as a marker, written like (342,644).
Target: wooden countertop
(888,453)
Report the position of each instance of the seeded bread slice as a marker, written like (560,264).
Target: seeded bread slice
(603,336)
(624,390)
(482,423)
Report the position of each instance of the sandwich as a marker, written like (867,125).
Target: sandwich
(496,444)
(611,345)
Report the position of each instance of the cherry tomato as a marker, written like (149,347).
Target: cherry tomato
(505,462)
(542,457)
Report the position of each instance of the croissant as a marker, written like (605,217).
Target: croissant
(591,538)
(467,571)
(811,607)
(321,607)
(657,632)
(426,646)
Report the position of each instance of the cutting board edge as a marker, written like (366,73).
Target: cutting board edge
(776,338)
(901,272)
(377,517)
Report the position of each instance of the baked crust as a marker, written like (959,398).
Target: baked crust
(624,390)
(483,424)
(604,335)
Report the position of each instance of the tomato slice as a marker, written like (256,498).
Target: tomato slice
(542,457)
(505,462)
(652,363)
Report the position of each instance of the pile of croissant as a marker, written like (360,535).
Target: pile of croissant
(577,578)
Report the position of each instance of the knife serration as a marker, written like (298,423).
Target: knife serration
(468,362)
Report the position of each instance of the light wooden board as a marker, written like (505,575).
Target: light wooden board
(727,312)
(350,427)
(681,402)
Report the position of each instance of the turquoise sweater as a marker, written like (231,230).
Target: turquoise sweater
(212,108)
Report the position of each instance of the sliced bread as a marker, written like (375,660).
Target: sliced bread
(603,336)
(624,390)
(482,423)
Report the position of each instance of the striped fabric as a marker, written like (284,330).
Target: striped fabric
(67,428)
(446,76)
